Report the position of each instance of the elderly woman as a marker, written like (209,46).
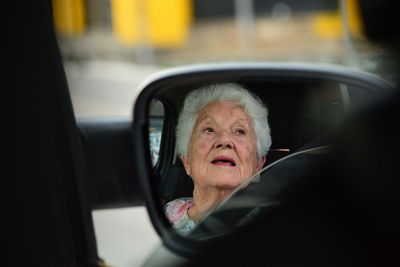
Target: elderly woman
(222,139)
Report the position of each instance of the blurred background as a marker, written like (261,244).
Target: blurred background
(110,46)
(120,42)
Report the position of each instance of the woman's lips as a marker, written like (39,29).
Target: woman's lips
(223,161)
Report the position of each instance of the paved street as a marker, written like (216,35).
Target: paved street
(104,88)
(125,237)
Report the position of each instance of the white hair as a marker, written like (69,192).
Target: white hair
(198,99)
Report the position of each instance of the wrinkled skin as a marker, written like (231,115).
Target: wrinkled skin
(222,154)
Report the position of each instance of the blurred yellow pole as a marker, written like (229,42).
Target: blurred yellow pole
(69,16)
(336,24)
(354,18)
(125,21)
(156,23)
(169,22)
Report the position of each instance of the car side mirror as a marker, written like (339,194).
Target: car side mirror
(306,106)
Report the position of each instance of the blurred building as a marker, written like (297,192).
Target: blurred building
(187,31)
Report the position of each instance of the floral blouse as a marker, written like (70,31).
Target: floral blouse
(177,214)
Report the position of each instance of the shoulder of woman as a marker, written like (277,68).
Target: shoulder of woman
(177,209)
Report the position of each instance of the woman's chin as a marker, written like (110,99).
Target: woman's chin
(228,184)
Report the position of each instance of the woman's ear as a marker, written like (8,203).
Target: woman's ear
(260,163)
(186,165)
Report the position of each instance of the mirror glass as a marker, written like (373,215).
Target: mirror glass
(303,115)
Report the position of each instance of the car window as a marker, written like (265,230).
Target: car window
(156,122)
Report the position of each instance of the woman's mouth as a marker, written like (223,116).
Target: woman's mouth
(223,161)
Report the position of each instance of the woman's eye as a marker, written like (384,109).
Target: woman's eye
(240,131)
(208,130)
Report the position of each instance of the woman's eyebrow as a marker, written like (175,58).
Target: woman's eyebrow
(242,121)
(206,118)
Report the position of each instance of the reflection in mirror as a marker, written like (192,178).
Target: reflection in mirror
(222,132)
(156,121)
(263,193)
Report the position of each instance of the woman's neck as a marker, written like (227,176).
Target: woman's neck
(204,199)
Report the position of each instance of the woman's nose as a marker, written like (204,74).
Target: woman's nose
(224,140)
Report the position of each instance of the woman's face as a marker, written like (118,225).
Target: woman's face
(222,149)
